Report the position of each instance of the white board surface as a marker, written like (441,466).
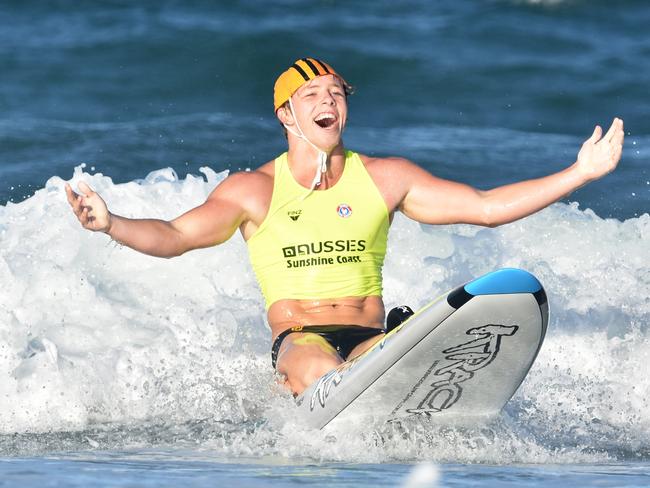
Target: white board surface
(464,355)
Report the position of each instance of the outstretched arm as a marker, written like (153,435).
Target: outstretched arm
(432,200)
(209,224)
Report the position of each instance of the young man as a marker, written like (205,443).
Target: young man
(316,219)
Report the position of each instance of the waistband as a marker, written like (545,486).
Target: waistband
(350,330)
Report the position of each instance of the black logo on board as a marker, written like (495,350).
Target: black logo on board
(460,364)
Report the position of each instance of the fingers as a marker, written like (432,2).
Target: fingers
(615,133)
(72,198)
(87,218)
(79,205)
(89,207)
(595,137)
(614,140)
(83,217)
(85,189)
(617,153)
(615,130)
(619,135)
(611,131)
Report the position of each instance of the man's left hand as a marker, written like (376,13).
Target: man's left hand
(599,155)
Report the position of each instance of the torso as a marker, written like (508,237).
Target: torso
(367,311)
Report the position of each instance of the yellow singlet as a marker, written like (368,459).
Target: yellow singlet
(329,245)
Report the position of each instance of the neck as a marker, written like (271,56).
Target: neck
(303,160)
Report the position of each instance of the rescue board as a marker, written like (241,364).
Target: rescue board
(462,356)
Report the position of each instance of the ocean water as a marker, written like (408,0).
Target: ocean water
(119,369)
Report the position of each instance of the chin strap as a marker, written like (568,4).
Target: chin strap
(322,155)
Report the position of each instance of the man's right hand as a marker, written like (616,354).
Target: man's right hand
(89,208)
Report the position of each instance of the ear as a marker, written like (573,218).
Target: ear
(284,115)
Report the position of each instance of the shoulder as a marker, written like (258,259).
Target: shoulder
(248,193)
(246,183)
(263,174)
(399,179)
(392,168)
(388,165)
(392,176)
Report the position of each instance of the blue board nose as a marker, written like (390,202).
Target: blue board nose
(507,280)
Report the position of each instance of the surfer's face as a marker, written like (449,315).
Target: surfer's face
(320,108)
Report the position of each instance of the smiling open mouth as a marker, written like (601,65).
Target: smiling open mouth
(325,120)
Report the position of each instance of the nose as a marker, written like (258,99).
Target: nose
(328,99)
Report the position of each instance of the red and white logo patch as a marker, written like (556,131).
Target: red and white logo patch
(344,210)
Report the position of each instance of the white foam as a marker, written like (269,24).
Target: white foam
(92,333)
(423,475)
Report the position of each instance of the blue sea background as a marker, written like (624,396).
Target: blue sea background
(127,370)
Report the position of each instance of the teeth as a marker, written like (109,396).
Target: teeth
(324,116)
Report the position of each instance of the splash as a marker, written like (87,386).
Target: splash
(102,347)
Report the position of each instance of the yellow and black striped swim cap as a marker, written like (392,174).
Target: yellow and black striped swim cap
(298,74)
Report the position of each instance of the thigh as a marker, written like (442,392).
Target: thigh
(305,357)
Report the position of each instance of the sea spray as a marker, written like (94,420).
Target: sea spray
(102,347)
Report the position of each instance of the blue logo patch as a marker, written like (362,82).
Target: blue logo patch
(344,210)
